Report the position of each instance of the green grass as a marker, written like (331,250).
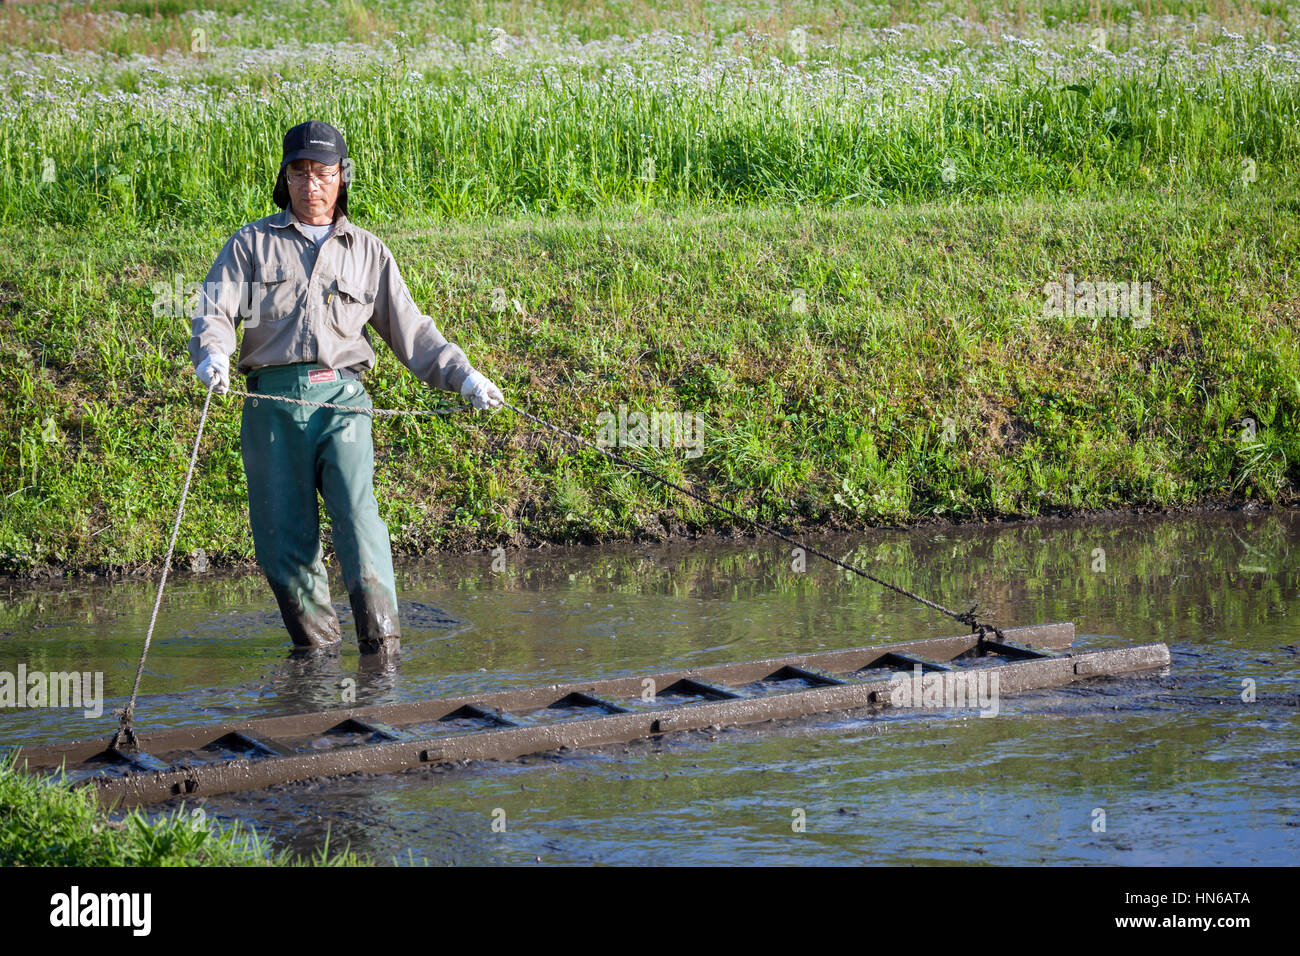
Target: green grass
(921,380)
(43,822)
(834,253)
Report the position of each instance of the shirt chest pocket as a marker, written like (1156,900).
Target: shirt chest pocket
(351,303)
(277,293)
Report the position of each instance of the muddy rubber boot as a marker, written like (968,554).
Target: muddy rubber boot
(318,628)
(390,645)
(374,604)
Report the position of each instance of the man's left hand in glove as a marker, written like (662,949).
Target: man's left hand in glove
(482,392)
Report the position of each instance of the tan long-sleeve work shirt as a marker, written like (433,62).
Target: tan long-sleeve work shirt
(294,309)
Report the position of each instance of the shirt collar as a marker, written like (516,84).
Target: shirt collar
(286,219)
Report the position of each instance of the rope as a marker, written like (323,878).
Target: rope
(125,732)
(350,408)
(965,617)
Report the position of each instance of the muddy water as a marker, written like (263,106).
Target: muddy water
(1184,770)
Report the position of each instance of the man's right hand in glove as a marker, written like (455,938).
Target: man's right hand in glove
(215,368)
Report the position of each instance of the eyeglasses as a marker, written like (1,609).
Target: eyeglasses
(299,177)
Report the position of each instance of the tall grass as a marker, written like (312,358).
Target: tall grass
(466,150)
(739,106)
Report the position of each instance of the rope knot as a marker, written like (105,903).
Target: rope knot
(967,617)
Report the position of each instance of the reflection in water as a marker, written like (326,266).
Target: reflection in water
(1185,769)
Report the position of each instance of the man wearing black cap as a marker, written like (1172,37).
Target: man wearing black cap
(306,284)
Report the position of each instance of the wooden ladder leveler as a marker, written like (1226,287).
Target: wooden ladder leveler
(250,754)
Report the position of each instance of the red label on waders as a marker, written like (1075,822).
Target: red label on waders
(322,375)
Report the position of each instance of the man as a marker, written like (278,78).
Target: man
(306,283)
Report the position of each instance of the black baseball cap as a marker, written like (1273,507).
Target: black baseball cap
(316,141)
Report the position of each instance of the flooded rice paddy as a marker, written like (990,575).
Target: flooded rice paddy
(1184,766)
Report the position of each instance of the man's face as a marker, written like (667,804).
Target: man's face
(313,189)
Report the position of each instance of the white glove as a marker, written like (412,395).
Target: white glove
(216,368)
(481,391)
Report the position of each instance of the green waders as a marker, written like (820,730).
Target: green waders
(291,451)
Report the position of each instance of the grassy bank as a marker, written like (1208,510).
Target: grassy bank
(850,366)
(830,232)
(43,823)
